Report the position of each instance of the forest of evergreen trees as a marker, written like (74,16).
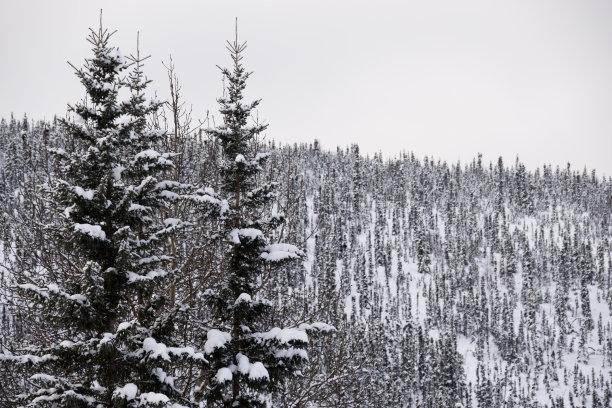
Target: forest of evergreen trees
(151,259)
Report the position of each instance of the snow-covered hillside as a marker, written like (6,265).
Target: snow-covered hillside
(512,266)
(474,285)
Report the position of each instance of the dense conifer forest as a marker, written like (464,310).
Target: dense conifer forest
(152,259)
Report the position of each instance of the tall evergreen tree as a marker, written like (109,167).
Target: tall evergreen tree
(110,339)
(246,357)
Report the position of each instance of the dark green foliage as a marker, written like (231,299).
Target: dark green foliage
(102,306)
(247,358)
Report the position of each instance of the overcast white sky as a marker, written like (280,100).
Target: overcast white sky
(446,79)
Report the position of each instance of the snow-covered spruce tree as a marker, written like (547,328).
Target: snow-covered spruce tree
(247,359)
(110,341)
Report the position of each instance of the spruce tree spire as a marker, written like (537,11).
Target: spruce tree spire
(247,358)
(103,301)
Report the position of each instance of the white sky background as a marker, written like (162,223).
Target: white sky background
(446,79)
